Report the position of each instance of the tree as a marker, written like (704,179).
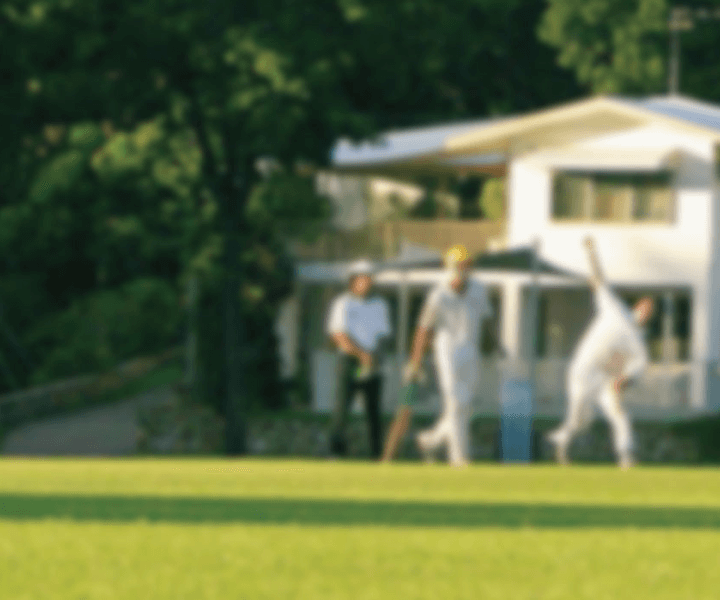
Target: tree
(699,70)
(492,198)
(225,83)
(612,46)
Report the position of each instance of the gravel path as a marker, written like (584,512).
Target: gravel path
(102,431)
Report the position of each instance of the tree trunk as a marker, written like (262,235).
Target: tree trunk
(235,188)
(235,338)
(232,196)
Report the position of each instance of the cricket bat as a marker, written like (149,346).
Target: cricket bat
(401,422)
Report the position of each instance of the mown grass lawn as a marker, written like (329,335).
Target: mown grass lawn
(254,529)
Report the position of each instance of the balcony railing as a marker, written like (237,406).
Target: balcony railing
(382,240)
(663,393)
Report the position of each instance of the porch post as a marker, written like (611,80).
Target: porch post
(402,336)
(668,349)
(403,318)
(669,353)
(510,318)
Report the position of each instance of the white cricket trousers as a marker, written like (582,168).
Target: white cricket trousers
(457,370)
(580,413)
(452,430)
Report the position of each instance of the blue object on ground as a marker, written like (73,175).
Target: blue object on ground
(516,400)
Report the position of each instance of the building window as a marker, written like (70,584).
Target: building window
(491,326)
(672,344)
(564,315)
(613,197)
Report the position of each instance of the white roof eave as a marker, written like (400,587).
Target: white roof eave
(564,125)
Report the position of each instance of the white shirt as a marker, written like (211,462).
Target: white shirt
(457,316)
(364,320)
(612,330)
(456,320)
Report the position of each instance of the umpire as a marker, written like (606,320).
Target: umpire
(358,324)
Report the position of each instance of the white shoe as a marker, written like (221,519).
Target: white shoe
(626,463)
(427,454)
(561,456)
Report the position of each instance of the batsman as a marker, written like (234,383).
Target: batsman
(453,315)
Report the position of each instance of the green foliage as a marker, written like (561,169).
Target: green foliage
(268,280)
(133,129)
(85,136)
(612,46)
(59,175)
(492,199)
(706,430)
(398,206)
(425,208)
(101,329)
(289,205)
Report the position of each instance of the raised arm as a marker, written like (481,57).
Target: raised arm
(597,277)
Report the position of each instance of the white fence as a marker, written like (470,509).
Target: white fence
(663,393)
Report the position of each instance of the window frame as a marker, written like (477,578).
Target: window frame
(590,199)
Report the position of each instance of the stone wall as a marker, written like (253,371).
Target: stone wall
(186,430)
(33,403)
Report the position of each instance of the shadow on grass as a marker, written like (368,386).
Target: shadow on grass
(348,512)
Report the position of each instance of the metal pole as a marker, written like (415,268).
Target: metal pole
(404,318)
(668,330)
(403,323)
(674,70)
(534,308)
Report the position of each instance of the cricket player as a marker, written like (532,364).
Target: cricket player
(358,325)
(453,314)
(610,356)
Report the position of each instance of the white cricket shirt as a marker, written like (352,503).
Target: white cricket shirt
(457,317)
(612,330)
(456,320)
(364,320)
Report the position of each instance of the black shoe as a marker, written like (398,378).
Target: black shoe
(338,448)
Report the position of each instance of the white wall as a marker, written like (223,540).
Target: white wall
(674,253)
(287,330)
(679,253)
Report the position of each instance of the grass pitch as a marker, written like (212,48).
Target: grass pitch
(255,529)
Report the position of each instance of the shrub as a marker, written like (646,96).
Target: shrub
(106,327)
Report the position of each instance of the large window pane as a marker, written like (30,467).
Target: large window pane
(613,199)
(653,329)
(653,203)
(563,317)
(570,197)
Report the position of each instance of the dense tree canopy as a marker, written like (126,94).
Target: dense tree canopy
(615,46)
(612,45)
(133,130)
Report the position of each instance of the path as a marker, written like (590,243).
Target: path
(101,431)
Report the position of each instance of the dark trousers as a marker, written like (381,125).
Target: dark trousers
(370,390)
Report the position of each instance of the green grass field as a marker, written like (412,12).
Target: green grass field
(254,529)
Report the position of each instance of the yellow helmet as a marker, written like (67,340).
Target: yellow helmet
(457,254)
